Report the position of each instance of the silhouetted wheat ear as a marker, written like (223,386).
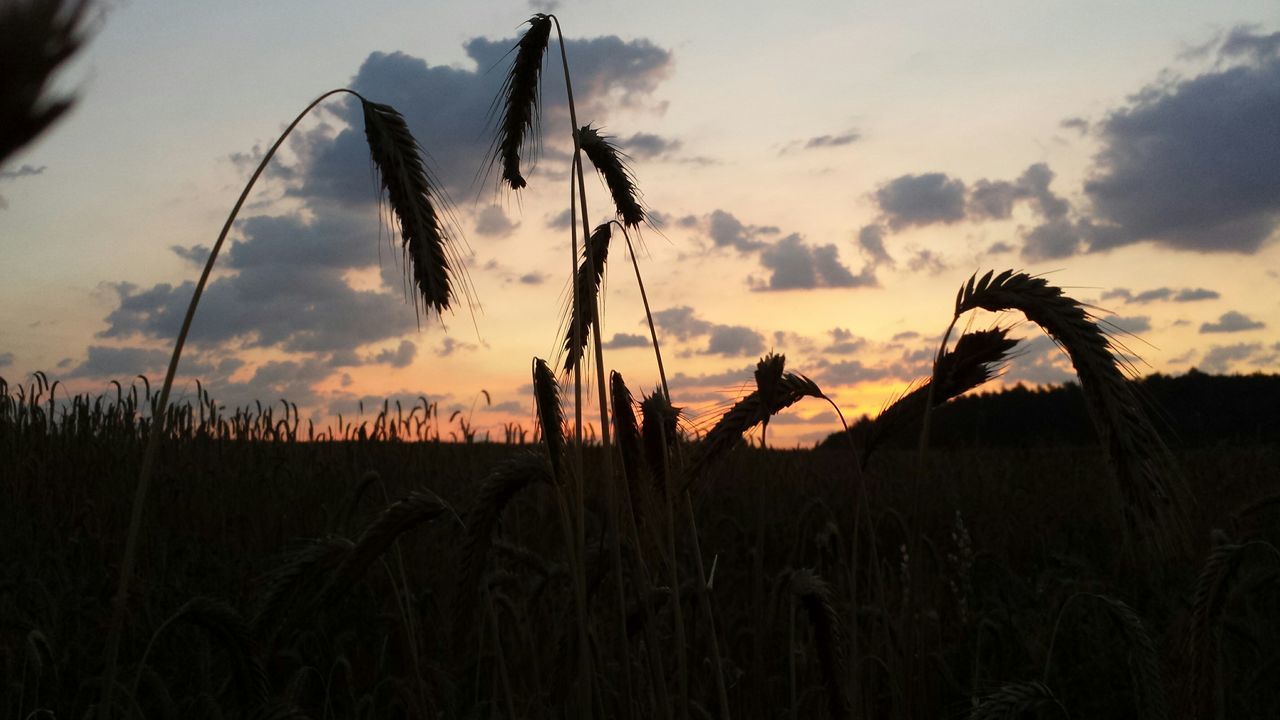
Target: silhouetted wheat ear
(301,575)
(814,595)
(36,37)
(659,434)
(229,630)
(768,373)
(1012,700)
(398,518)
(501,486)
(1213,585)
(751,411)
(398,158)
(976,358)
(626,426)
(1151,487)
(546,393)
(1144,660)
(612,166)
(590,274)
(520,100)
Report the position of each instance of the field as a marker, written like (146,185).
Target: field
(994,580)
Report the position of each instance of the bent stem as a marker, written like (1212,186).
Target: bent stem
(159,411)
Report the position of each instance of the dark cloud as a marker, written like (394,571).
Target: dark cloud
(195,254)
(906,335)
(795,265)
(1232,321)
(450,346)
(1195,294)
(493,222)
(734,341)
(448,108)
(399,357)
(1194,165)
(648,146)
(999,248)
(24,171)
(926,261)
(1039,361)
(533,278)
(626,340)
(826,141)
(871,240)
(561,220)
(1131,323)
(1220,358)
(844,342)
(921,200)
(1078,124)
(6,359)
(118,362)
(850,372)
(681,323)
(1052,240)
(726,230)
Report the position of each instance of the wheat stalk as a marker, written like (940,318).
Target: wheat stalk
(520,100)
(302,573)
(1144,468)
(612,166)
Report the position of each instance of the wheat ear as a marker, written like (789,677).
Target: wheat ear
(520,100)
(1013,699)
(612,166)
(1149,484)
(814,595)
(588,278)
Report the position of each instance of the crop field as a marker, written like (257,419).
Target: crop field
(389,578)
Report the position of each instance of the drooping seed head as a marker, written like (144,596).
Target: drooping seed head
(595,254)
(612,166)
(424,238)
(520,100)
(546,393)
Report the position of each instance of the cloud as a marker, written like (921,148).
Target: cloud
(6,359)
(911,200)
(1039,361)
(1219,358)
(734,341)
(1052,240)
(448,108)
(1078,124)
(533,278)
(850,372)
(493,222)
(795,265)
(926,261)
(626,340)
(1195,294)
(24,171)
(1161,294)
(451,345)
(1131,323)
(104,361)
(1231,321)
(399,357)
(820,142)
(1193,165)
(726,230)
(999,248)
(195,254)
(844,342)
(648,146)
(871,240)
(681,323)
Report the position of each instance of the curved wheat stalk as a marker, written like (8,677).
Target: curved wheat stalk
(976,358)
(520,100)
(1149,484)
(394,152)
(302,574)
(612,166)
(229,630)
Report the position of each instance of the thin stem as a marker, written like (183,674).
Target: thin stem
(155,434)
(648,315)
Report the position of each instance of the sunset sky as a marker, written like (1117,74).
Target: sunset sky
(825,178)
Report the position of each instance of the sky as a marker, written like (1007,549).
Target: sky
(822,179)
